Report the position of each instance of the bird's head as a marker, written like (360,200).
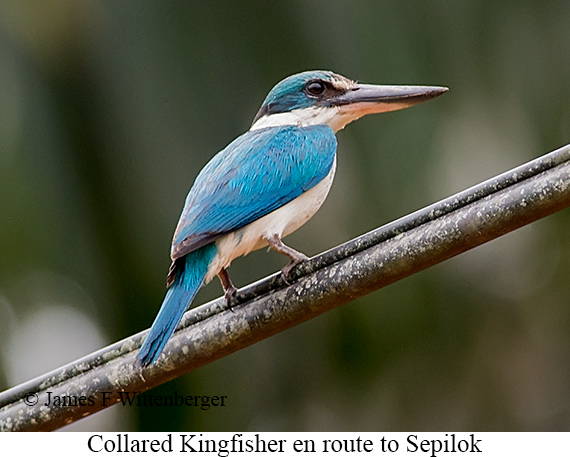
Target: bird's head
(323,97)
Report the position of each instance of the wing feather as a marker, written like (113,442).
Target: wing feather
(257,173)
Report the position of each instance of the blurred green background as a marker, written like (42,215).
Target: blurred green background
(109,109)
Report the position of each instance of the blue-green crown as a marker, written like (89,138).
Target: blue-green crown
(290,93)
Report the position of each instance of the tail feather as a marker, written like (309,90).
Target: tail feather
(189,278)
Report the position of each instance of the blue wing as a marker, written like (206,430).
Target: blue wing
(257,173)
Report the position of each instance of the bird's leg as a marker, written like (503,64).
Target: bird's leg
(295,256)
(229,288)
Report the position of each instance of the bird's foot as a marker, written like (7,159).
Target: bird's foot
(296,257)
(229,289)
(229,294)
(286,270)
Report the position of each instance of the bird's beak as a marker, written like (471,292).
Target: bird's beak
(367,99)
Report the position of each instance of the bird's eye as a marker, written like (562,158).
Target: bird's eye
(315,88)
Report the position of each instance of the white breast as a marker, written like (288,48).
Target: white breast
(282,222)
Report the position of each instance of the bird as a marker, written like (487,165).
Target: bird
(266,184)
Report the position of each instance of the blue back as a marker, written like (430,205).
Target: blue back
(257,173)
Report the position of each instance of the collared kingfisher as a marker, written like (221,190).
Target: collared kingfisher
(265,185)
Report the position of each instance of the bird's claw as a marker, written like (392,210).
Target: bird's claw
(286,270)
(229,294)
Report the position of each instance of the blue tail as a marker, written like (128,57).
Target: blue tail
(189,279)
